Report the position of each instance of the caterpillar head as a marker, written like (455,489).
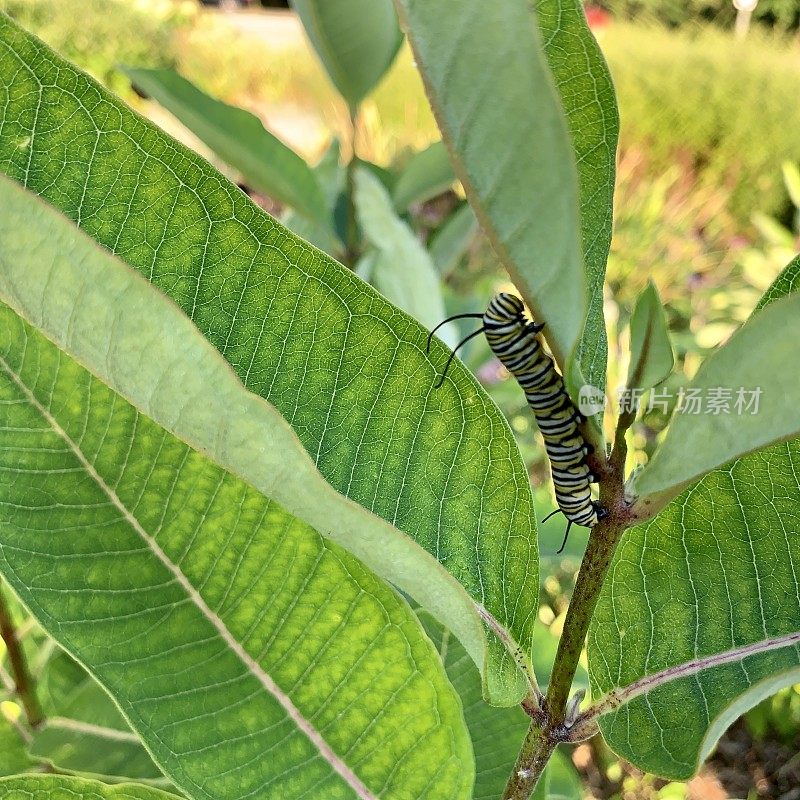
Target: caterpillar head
(507,309)
(504,309)
(510,303)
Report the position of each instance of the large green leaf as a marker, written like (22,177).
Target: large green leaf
(587,96)
(346,369)
(59,787)
(238,138)
(709,591)
(356,40)
(177,584)
(494,98)
(756,402)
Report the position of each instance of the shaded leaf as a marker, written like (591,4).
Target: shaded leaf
(58,787)
(346,369)
(651,352)
(402,271)
(83,729)
(356,40)
(713,577)
(497,733)
(494,99)
(331,176)
(113,532)
(239,139)
(14,757)
(80,748)
(453,239)
(386,176)
(427,174)
(564,783)
(757,402)
(584,84)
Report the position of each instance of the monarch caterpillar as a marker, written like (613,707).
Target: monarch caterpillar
(514,339)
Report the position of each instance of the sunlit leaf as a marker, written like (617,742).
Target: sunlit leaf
(345,368)
(791,179)
(178,585)
(494,98)
(749,400)
(587,95)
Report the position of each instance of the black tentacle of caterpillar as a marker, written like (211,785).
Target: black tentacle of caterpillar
(514,339)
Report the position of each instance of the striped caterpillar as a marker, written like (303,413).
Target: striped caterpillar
(515,340)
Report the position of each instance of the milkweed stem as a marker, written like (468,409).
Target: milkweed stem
(549,729)
(19,667)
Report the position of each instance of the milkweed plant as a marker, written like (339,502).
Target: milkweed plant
(250,549)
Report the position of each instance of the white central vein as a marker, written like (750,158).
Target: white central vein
(616,697)
(253,667)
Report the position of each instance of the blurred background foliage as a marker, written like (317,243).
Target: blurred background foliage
(781,14)
(707,206)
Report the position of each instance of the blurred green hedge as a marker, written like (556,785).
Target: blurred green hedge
(724,111)
(784,14)
(101,34)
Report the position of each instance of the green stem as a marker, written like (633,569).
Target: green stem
(596,561)
(19,668)
(603,541)
(533,757)
(352,243)
(549,728)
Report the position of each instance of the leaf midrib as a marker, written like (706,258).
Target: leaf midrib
(252,666)
(625,694)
